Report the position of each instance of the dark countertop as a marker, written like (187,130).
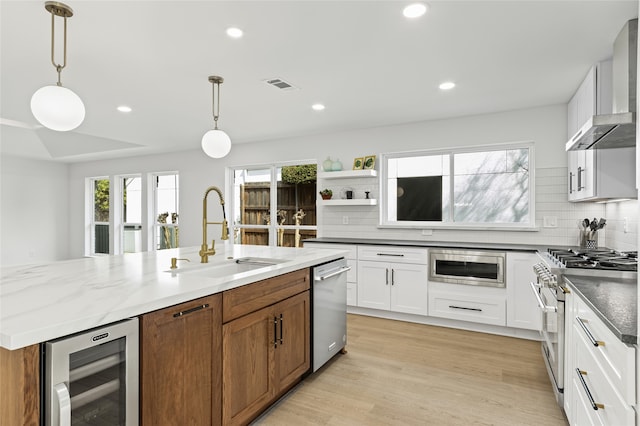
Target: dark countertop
(614,300)
(443,244)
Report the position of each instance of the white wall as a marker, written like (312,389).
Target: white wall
(34,211)
(546,126)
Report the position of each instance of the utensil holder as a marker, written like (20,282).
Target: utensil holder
(589,239)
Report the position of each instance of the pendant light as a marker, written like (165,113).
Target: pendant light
(57,107)
(216,143)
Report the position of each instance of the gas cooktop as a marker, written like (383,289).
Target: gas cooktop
(602,259)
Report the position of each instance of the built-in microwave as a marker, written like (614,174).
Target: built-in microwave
(471,267)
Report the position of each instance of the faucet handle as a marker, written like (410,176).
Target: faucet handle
(213,247)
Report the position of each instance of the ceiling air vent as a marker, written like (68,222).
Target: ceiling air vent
(280,84)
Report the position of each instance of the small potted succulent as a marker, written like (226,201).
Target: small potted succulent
(326,194)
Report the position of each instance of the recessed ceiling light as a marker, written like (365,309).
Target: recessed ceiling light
(317,107)
(447,85)
(234,32)
(124,108)
(415,10)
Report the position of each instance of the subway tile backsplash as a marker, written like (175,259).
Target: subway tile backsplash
(551,200)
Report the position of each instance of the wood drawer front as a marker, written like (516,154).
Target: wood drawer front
(351,248)
(616,411)
(394,254)
(251,297)
(616,358)
(474,309)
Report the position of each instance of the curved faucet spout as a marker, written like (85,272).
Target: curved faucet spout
(205,251)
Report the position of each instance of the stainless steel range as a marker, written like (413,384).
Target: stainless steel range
(550,293)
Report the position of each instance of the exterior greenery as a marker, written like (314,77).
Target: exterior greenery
(306,173)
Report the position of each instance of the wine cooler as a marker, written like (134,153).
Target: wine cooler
(92,378)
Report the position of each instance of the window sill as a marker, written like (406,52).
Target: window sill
(463,228)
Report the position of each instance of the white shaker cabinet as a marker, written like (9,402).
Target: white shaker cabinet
(597,174)
(522,307)
(393,279)
(593,97)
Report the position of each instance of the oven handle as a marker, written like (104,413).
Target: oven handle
(541,305)
(64,404)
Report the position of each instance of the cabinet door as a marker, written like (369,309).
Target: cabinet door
(247,363)
(373,285)
(522,305)
(292,353)
(569,355)
(180,364)
(409,288)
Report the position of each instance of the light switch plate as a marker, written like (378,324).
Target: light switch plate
(550,221)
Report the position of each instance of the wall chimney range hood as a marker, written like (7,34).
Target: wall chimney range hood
(618,129)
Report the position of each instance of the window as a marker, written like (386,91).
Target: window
(274,205)
(488,187)
(131,214)
(165,196)
(99,223)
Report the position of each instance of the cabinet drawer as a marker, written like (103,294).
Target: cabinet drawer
(616,358)
(249,298)
(612,409)
(394,254)
(352,249)
(475,309)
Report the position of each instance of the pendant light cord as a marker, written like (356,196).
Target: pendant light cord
(59,67)
(216,105)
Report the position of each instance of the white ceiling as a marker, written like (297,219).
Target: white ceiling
(368,64)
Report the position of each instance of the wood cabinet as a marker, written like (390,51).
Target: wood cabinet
(266,344)
(180,364)
(399,285)
(20,386)
(522,306)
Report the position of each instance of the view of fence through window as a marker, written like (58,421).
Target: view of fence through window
(132,214)
(166,208)
(100,222)
(290,189)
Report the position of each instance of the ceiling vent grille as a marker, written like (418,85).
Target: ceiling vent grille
(280,84)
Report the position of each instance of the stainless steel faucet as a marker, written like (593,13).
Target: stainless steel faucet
(205,251)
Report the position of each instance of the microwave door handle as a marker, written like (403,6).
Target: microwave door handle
(64,404)
(541,305)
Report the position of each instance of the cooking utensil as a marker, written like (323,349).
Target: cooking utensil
(585,224)
(601,223)
(593,225)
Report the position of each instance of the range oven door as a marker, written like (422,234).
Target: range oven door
(552,334)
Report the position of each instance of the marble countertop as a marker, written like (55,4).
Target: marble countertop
(614,300)
(43,302)
(443,244)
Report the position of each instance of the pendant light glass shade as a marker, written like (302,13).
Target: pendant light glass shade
(57,108)
(216,143)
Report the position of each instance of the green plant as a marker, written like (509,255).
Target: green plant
(326,192)
(306,173)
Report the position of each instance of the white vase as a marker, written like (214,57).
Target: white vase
(327,166)
(336,166)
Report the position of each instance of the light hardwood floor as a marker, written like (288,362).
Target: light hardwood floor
(398,373)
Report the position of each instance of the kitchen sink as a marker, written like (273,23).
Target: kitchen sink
(228,267)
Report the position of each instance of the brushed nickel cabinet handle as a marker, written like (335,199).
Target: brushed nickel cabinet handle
(465,308)
(596,406)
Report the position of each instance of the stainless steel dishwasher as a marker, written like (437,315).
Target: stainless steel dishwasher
(329,310)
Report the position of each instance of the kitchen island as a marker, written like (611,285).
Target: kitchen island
(43,302)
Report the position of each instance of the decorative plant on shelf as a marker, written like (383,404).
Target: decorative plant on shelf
(326,194)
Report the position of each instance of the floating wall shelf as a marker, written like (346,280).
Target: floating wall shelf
(346,174)
(352,202)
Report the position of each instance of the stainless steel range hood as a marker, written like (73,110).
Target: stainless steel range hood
(616,130)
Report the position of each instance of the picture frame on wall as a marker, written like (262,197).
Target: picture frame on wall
(369,162)
(358,163)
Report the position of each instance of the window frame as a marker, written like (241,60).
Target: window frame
(384,221)
(273,227)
